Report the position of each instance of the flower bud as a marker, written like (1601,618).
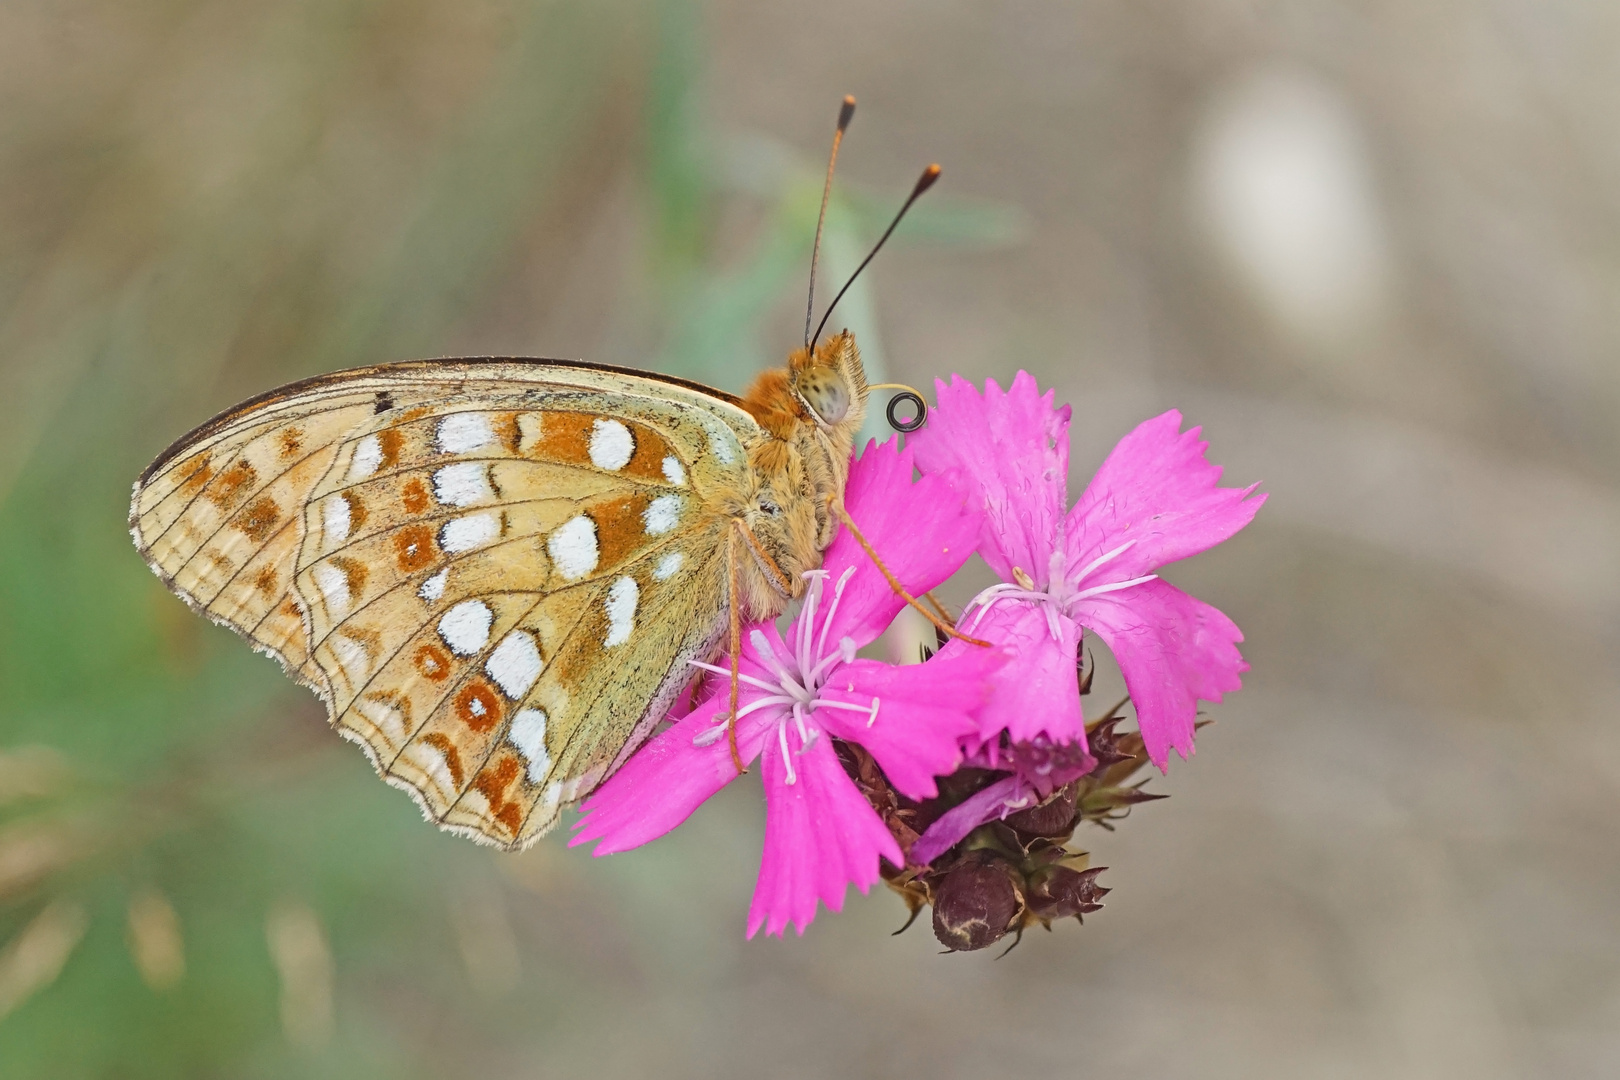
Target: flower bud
(1042,758)
(974,904)
(1053,818)
(1058,892)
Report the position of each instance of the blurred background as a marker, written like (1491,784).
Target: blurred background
(1373,248)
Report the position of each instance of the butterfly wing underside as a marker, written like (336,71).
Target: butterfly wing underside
(492,571)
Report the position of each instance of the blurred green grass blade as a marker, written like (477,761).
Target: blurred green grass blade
(677,176)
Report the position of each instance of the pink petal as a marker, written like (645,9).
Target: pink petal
(924,710)
(1009,452)
(1173,649)
(669,777)
(820,835)
(1001,798)
(1156,488)
(1038,690)
(922,531)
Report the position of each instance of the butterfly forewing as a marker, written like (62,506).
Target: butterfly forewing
(492,571)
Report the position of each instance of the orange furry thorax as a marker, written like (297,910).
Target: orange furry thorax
(773,404)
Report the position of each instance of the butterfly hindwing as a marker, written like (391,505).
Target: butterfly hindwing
(494,581)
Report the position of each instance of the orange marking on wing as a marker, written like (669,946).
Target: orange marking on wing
(220,560)
(266,580)
(414,495)
(619,529)
(414,547)
(452,756)
(651,449)
(228,487)
(291,610)
(390,441)
(195,471)
(366,637)
(566,438)
(357,510)
(259,519)
(492,783)
(433,662)
(354,573)
(292,440)
(478,706)
(506,430)
(394,699)
(584,649)
(414,414)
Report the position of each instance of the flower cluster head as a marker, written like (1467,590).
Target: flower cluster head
(1090,567)
(960,780)
(800,693)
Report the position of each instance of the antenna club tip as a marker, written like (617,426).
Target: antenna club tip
(846,111)
(926,180)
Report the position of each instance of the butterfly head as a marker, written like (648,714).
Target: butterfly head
(831,383)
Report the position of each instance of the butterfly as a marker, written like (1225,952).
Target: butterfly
(495,572)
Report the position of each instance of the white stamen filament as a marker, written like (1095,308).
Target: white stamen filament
(832,609)
(787,758)
(1103,560)
(1098,590)
(798,680)
(1062,592)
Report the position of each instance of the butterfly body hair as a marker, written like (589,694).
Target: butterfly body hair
(809,414)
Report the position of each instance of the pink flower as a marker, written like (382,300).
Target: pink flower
(1154,500)
(820,832)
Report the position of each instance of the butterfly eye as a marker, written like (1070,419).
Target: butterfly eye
(823,390)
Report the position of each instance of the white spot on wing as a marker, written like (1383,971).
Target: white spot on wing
(466,533)
(529,427)
(515,664)
(621,611)
(462,484)
(334,586)
(720,443)
(528,734)
(335,519)
(352,658)
(673,472)
(668,566)
(386,718)
(367,456)
(662,514)
(433,587)
(460,432)
(572,546)
(611,445)
(428,758)
(465,627)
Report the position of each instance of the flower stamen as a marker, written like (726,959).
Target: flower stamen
(1103,560)
(1098,590)
(1060,594)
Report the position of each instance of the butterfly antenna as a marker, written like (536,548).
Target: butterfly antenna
(845,113)
(924,182)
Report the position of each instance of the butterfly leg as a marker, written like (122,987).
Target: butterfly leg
(736,536)
(734,568)
(894,583)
